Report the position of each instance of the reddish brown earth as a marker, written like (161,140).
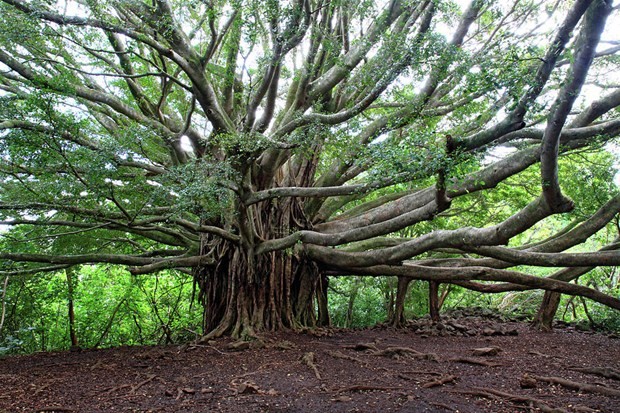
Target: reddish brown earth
(416,369)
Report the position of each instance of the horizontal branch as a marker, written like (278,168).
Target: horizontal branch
(495,235)
(24,125)
(208,229)
(304,192)
(51,268)
(171,263)
(138,264)
(100,214)
(549,259)
(449,275)
(325,191)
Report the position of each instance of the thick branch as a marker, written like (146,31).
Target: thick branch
(586,46)
(514,120)
(450,275)
(544,259)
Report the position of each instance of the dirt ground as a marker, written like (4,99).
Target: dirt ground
(464,364)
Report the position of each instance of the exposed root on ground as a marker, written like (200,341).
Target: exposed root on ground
(406,352)
(607,372)
(249,387)
(538,353)
(309,359)
(362,347)
(582,387)
(361,387)
(440,381)
(132,388)
(530,401)
(443,406)
(477,362)
(340,355)
(486,351)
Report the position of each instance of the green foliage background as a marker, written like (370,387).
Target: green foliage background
(114,308)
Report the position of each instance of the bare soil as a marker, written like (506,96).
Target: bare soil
(465,364)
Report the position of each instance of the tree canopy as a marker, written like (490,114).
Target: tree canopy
(263,146)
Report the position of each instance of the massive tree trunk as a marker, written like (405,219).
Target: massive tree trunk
(244,296)
(245,293)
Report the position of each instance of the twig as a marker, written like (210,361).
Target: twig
(149,379)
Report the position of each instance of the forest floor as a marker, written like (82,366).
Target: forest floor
(467,363)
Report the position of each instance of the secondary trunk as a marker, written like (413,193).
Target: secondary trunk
(547,311)
(398,315)
(433,301)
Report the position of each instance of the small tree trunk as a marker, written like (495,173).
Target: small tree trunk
(3,299)
(444,294)
(398,318)
(433,301)
(547,311)
(352,297)
(322,301)
(70,272)
(390,298)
